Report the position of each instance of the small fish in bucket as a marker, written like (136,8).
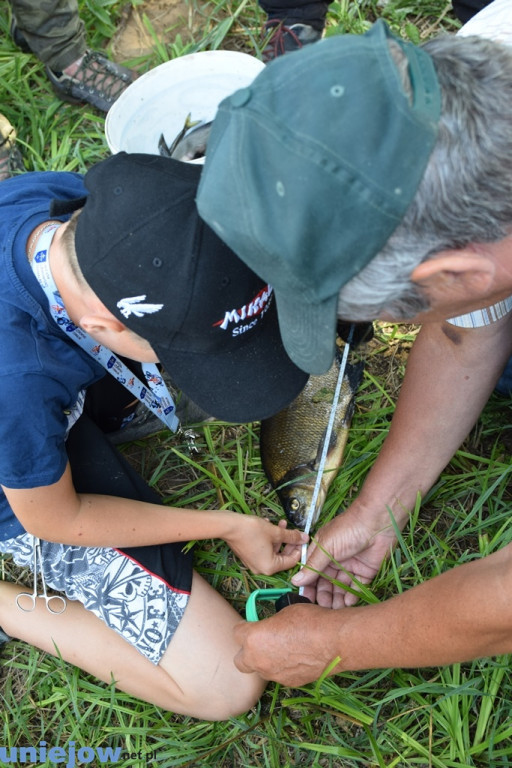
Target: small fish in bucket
(190,143)
(169,110)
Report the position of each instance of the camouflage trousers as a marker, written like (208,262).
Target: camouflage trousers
(53,30)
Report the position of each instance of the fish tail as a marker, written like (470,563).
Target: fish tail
(162,147)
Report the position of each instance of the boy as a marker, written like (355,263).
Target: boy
(139,272)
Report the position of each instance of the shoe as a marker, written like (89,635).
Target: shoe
(145,423)
(18,37)
(284,38)
(10,158)
(189,413)
(97,81)
(362,333)
(3,637)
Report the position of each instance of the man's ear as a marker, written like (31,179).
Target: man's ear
(98,323)
(468,273)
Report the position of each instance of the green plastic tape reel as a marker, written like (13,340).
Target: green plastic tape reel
(261,595)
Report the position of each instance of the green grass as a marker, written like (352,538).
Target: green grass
(456,716)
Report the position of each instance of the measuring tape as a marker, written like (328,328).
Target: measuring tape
(286,596)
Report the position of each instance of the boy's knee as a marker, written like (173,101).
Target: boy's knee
(223,703)
(242,698)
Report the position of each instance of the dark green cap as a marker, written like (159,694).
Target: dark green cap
(310,169)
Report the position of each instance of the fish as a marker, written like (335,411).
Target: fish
(292,441)
(190,143)
(167,150)
(193,144)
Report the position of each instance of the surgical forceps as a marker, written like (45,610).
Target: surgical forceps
(55,604)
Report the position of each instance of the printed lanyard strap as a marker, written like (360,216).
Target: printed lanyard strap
(157,397)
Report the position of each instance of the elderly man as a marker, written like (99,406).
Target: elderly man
(368,178)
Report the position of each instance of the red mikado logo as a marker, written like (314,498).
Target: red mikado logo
(254,309)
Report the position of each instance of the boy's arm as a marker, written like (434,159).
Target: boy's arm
(57,513)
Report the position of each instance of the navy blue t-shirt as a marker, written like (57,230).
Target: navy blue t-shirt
(42,371)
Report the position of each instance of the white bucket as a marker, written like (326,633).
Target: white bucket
(159,101)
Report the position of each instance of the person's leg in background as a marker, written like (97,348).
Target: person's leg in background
(10,157)
(54,32)
(466,9)
(291,24)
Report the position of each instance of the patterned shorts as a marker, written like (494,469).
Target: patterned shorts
(129,591)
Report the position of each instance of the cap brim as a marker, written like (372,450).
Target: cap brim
(308,331)
(253,383)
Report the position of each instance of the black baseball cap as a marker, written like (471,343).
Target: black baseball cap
(162,271)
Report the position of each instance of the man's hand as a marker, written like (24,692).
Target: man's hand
(427,428)
(462,614)
(352,546)
(294,647)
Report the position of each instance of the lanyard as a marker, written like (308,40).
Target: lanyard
(156,397)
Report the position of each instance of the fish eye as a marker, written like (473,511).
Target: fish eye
(294,504)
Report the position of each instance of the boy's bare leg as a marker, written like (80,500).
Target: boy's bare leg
(196,675)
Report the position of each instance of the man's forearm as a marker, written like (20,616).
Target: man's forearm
(463,614)
(450,375)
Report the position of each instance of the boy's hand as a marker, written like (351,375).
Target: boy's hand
(263,547)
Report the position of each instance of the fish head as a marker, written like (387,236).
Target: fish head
(296,498)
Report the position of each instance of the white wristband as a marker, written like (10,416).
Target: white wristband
(481,317)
